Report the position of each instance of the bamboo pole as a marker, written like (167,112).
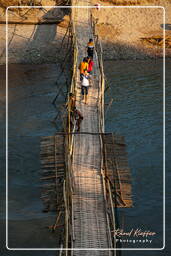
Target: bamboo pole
(66,218)
(111,205)
(69,189)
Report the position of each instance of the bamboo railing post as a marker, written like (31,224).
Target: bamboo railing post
(68,186)
(66,218)
(106,185)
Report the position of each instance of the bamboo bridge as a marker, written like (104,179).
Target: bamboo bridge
(88,169)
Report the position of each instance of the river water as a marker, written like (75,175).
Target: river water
(137,113)
(31,89)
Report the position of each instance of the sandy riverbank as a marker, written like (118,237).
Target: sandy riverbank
(133,33)
(35,35)
(126,33)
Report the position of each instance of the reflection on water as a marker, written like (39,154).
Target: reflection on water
(136,113)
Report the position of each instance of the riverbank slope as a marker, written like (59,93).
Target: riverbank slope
(133,32)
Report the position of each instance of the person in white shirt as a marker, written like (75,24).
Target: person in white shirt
(85,86)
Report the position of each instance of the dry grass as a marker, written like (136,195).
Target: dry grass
(6,3)
(134,2)
(157,41)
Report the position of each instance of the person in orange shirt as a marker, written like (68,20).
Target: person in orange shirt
(83,67)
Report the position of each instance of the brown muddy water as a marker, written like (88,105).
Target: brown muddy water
(136,113)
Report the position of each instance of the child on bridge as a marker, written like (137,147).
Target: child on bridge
(90,65)
(83,67)
(90,48)
(78,117)
(85,86)
(71,103)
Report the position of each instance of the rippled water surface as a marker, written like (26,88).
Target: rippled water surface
(31,90)
(137,113)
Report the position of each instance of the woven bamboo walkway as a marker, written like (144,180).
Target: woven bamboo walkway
(90,221)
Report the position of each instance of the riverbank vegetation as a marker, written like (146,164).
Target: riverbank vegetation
(157,41)
(5,3)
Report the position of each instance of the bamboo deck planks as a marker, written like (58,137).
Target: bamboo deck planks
(117,170)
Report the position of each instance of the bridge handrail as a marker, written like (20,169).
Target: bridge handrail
(68,187)
(69,184)
(106,183)
(99,51)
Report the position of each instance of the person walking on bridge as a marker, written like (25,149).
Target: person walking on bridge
(78,117)
(90,68)
(72,100)
(83,67)
(85,86)
(71,103)
(90,48)
(90,65)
